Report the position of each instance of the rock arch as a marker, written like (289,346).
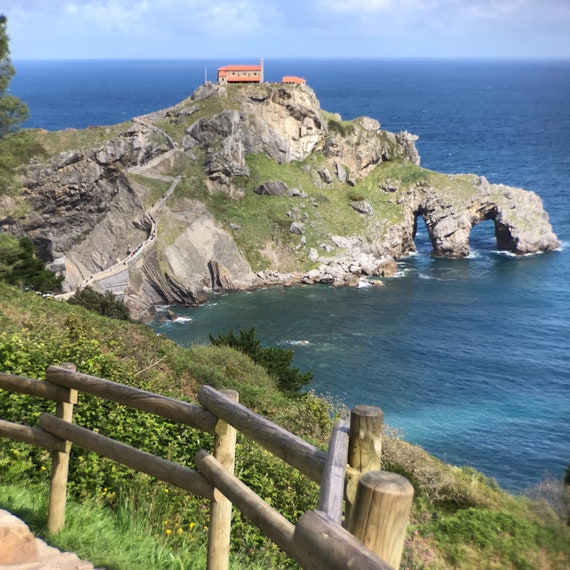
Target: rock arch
(521,224)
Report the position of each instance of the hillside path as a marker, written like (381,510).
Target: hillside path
(145,169)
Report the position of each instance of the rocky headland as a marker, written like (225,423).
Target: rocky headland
(244,186)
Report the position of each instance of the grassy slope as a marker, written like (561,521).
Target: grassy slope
(460,519)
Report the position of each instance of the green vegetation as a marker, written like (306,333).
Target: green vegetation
(19,266)
(37,333)
(12,111)
(157,188)
(103,304)
(460,518)
(15,148)
(343,128)
(54,142)
(276,360)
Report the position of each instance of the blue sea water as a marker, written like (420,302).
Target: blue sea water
(469,358)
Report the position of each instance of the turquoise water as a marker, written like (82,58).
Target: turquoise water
(470,358)
(446,350)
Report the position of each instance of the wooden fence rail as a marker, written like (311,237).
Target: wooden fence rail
(376,503)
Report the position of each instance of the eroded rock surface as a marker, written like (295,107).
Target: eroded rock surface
(88,209)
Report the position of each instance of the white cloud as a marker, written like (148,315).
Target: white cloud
(356,6)
(239,18)
(311,28)
(108,15)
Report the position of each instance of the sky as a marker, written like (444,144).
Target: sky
(250,29)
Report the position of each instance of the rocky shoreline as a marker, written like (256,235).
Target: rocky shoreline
(345,198)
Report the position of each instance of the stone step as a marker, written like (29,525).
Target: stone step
(20,550)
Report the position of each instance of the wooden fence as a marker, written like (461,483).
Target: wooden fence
(369,535)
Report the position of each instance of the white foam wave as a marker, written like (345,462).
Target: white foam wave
(403,272)
(182,320)
(517,255)
(292,342)
(505,253)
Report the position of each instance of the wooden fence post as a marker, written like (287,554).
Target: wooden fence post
(364,448)
(60,463)
(381,514)
(219,530)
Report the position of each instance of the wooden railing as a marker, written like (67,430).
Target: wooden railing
(370,534)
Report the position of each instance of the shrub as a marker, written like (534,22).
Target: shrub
(103,304)
(19,266)
(354,196)
(277,361)
(343,129)
(554,493)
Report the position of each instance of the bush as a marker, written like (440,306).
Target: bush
(354,196)
(554,493)
(19,266)
(277,361)
(343,129)
(103,304)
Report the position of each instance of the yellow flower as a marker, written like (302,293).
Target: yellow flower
(191,525)
(165,490)
(43,468)
(180,531)
(168,531)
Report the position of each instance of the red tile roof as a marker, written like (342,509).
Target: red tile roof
(293,79)
(240,68)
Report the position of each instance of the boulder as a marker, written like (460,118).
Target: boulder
(297,228)
(17,543)
(362,207)
(273,188)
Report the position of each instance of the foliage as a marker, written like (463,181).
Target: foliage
(460,518)
(134,355)
(12,111)
(342,128)
(566,477)
(16,149)
(19,266)
(276,360)
(12,114)
(356,196)
(104,304)
(552,494)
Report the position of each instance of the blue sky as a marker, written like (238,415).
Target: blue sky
(102,29)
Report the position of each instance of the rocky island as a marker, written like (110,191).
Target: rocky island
(247,185)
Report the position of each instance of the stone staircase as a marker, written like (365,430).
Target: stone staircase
(20,550)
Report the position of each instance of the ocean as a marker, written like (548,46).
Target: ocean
(469,358)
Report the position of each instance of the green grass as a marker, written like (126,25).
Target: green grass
(517,541)
(156,187)
(55,142)
(128,537)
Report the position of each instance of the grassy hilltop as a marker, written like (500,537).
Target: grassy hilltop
(123,520)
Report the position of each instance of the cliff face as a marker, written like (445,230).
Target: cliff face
(242,186)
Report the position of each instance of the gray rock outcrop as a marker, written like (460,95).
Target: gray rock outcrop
(105,216)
